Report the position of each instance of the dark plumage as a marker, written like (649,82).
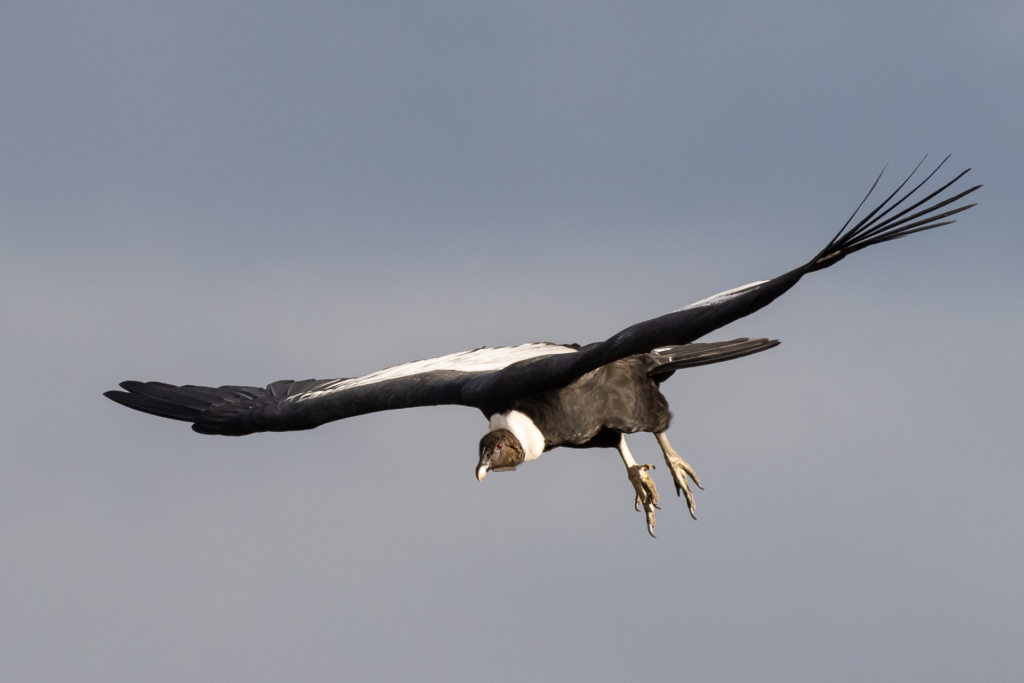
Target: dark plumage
(543,396)
(592,412)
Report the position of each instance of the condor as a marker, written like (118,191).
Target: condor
(538,397)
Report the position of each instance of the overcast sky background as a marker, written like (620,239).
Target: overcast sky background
(236,193)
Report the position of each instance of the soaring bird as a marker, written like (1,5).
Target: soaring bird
(540,396)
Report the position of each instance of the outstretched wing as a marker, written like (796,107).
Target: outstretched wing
(293,405)
(498,389)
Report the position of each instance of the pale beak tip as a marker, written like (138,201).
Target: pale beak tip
(481,472)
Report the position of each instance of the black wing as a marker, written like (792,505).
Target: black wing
(294,405)
(496,390)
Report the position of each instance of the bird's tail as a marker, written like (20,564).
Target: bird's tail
(668,359)
(878,226)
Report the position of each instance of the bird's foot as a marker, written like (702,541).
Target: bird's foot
(680,470)
(646,493)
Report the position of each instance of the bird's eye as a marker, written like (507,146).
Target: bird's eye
(498,446)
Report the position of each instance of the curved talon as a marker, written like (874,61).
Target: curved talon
(691,505)
(689,471)
(680,471)
(646,493)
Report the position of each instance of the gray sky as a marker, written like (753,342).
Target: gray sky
(225,193)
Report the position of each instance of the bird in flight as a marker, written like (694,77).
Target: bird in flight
(541,396)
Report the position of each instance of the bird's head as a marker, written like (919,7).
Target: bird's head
(500,450)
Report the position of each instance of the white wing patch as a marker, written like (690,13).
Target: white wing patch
(722,296)
(480,360)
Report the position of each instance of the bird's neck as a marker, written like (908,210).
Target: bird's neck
(522,427)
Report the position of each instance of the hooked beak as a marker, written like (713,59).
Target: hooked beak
(481,472)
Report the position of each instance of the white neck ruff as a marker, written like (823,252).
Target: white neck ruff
(522,428)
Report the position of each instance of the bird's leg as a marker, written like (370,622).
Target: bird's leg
(646,494)
(680,469)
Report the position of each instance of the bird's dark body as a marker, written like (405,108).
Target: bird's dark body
(596,409)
